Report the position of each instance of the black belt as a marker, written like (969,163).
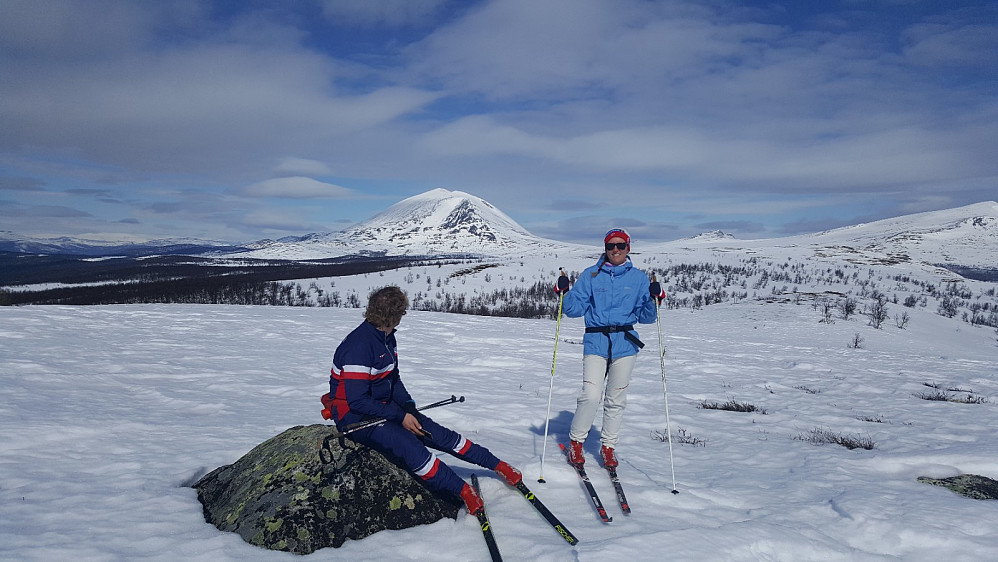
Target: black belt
(626,329)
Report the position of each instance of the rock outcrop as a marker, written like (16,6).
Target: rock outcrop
(305,489)
(970,485)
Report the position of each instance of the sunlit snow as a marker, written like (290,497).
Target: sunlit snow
(109,413)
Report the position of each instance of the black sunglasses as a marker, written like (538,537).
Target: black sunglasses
(620,246)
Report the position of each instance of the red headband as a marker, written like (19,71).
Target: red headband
(617,233)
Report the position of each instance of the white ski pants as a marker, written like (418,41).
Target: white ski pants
(594,375)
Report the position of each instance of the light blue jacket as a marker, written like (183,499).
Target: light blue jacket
(614,296)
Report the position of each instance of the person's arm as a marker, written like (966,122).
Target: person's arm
(400,395)
(358,380)
(578,299)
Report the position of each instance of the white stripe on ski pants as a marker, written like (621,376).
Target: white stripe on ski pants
(594,374)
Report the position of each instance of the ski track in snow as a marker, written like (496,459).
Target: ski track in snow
(110,413)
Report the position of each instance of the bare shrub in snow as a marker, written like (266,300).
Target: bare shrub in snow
(822,436)
(731,406)
(856,342)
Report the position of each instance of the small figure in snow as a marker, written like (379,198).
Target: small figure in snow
(612,295)
(364,384)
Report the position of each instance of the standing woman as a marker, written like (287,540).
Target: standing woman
(612,296)
(365,384)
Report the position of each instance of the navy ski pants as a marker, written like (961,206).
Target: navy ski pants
(409,451)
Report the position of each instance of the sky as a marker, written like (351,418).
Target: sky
(242,120)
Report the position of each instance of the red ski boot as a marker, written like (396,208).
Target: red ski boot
(511,475)
(472,500)
(609,459)
(575,453)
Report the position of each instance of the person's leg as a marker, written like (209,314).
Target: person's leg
(617,380)
(593,374)
(449,441)
(405,449)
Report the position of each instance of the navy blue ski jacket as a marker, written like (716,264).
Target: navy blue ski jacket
(364,380)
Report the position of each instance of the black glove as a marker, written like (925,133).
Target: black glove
(562,286)
(657,293)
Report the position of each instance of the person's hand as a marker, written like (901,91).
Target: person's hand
(562,286)
(656,291)
(411,424)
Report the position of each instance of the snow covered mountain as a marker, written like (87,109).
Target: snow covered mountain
(444,220)
(83,246)
(437,222)
(962,236)
(441,222)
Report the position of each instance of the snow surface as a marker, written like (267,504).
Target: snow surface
(110,413)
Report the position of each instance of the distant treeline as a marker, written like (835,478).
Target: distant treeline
(848,288)
(175,279)
(976,273)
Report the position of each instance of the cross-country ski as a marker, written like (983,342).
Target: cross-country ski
(593,496)
(619,490)
(485,524)
(546,514)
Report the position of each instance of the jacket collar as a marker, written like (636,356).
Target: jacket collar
(376,332)
(615,269)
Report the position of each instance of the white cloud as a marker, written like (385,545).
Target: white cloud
(934,44)
(302,166)
(168,111)
(578,48)
(298,187)
(68,30)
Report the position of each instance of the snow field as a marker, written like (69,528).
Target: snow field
(111,412)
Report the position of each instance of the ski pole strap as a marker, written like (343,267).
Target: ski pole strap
(627,329)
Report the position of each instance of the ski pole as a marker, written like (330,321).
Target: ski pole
(370,423)
(665,392)
(554,358)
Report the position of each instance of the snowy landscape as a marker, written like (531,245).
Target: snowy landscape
(810,381)
(198,197)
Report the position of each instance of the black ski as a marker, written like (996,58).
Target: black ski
(621,498)
(483,521)
(589,487)
(546,514)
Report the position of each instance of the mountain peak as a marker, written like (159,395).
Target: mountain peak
(440,221)
(711,236)
(436,222)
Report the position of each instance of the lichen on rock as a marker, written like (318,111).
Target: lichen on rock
(970,485)
(304,490)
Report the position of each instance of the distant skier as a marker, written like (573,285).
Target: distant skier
(612,295)
(364,384)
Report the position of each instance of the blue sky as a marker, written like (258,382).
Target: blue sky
(242,120)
